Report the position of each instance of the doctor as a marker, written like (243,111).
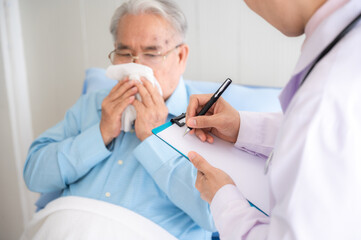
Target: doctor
(313,147)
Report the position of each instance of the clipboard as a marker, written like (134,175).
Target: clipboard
(246,170)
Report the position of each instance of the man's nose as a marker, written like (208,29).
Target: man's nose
(135,59)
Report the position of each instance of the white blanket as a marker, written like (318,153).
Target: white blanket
(83,218)
(134,71)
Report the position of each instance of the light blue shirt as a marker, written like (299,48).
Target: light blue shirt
(146,177)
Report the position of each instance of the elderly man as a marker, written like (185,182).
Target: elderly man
(87,154)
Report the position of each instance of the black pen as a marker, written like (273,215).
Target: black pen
(211,101)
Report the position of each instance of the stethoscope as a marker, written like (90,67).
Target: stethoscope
(329,47)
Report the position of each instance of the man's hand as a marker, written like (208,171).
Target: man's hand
(151,111)
(209,179)
(221,119)
(122,94)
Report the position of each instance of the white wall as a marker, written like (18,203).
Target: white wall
(11,221)
(16,204)
(63,38)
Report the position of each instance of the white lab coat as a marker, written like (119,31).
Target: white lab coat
(315,174)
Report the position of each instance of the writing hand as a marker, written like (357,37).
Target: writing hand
(222,119)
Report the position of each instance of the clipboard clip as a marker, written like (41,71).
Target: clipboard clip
(177,119)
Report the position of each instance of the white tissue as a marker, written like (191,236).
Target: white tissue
(134,71)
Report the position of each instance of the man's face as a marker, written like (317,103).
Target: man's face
(152,33)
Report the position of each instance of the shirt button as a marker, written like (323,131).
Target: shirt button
(107,194)
(120,162)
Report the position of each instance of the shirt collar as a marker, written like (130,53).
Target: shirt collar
(177,103)
(322,13)
(325,31)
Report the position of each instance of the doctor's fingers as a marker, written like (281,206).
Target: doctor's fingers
(200,181)
(200,163)
(196,102)
(203,134)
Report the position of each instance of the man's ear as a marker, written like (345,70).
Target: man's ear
(183,56)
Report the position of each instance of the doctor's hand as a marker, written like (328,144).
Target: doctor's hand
(113,105)
(222,119)
(151,111)
(209,179)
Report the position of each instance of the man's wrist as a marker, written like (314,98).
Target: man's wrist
(106,139)
(145,136)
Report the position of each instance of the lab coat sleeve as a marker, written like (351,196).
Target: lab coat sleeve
(176,177)
(258,132)
(235,218)
(65,152)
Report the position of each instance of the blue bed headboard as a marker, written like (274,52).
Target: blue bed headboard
(244,98)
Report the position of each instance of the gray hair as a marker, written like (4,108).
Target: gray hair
(164,8)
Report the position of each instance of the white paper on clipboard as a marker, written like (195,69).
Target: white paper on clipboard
(246,170)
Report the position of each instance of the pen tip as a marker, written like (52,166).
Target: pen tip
(187,131)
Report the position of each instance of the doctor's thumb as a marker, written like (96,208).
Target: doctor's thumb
(198,161)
